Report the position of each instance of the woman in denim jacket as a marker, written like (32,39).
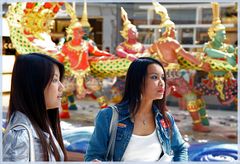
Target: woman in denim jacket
(146,131)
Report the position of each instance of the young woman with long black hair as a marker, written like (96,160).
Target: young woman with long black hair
(35,96)
(146,131)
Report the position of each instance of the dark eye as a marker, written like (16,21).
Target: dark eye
(55,80)
(154,77)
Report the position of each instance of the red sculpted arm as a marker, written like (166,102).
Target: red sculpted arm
(96,52)
(120,52)
(123,54)
(153,48)
(61,56)
(179,50)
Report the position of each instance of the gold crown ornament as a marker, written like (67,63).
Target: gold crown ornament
(126,24)
(39,17)
(165,19)
(84,19)
(74,22)
(216,22)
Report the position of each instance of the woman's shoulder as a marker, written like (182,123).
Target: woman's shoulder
(15,132)
(104,114)
(121,108)
(13,137)
(106,111)
(19,122)
(17,141)
(16,129)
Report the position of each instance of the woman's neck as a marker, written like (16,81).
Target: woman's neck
(145,106)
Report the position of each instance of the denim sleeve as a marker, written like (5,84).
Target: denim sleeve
(98,144)
(16,146)
(178,145)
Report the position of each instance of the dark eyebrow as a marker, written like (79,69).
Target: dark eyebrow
(162,75)
(153,73)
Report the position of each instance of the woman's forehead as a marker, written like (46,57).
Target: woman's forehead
(56,69)
(155,68)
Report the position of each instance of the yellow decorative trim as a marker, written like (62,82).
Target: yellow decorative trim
(137,47)
(193,106)
(201,64)
(219,80)
(200,103)
(219,87)
(165,39)
(193,110)
(76,48)
(64,100)
(178,49)
(172,66)
(196,121)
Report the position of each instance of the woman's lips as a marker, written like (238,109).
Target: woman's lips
(161,90)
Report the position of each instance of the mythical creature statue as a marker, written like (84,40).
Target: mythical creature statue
(30,27)
(168,51)
(130,49)
(68,101)
(76,53)
(223,57)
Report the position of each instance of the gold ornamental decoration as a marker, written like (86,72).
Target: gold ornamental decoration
(126,24)
(216,22)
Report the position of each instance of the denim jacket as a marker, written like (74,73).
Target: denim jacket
(16,145)
(99,141)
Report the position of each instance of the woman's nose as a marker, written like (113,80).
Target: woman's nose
(161,82)
(61,86)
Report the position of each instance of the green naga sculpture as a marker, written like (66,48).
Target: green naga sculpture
(223,60)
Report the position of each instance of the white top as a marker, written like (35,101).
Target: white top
(143,148)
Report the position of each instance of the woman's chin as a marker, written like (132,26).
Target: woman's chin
(54,106)
(159,97)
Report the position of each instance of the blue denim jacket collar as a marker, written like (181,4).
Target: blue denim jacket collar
(124,113)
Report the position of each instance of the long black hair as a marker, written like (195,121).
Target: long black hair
(31,75)
(135,80)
